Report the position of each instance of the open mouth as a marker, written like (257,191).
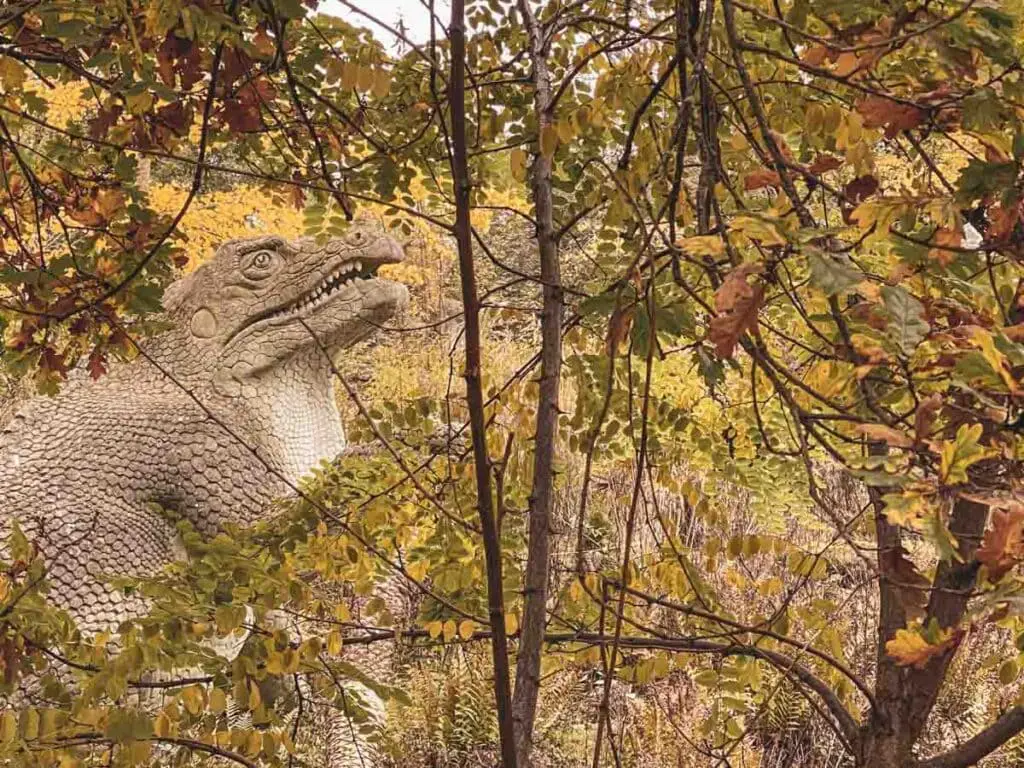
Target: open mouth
(343,275)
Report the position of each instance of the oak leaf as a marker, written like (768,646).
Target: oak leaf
(894,116)
(944,241)
(911,649)
(1003,545)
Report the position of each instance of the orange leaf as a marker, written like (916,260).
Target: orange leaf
(910,648)
(950,238)
(1003,545)
(815,55)
(847,63)
(761,178)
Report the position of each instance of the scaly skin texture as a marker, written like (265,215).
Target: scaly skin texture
(87,474)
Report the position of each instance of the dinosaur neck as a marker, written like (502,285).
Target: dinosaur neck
(296,402)
(289,407)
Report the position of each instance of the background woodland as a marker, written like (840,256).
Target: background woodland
(700,443)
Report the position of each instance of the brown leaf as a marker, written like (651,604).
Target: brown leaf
(950,238)
(263,43)
(761,178)
(894,116)
(882,433)
(618,328)
(51,360)
(241,117)
(737,303)
(1002,220)
(925,415)
(1003,545)
(847,63)
(234,64)
(104,120)
(861,188)
(97,363)
(824,164)
(815,55)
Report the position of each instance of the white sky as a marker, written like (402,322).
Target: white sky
(412,13)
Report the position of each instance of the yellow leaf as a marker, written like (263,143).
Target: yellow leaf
(466,629)
(334,642)
(12,74)
(517,164)
(254,696)
(910,648)
(449,631)
(364,78)
(759,229)
(192,698)
(703,245)
(960,453)
(511,623)
(218,701)
(162,725)
(434,629)
(29,724)
(381,83)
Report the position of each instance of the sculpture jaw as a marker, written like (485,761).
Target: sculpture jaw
(337,300)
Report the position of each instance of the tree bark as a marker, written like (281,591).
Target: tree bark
(905,695)
(524,705)
(474,391)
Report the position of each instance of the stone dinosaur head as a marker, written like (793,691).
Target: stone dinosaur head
(262,300)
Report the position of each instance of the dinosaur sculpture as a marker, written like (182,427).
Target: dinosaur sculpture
(218,417)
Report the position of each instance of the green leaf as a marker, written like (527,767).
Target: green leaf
(832,274)
(908,325)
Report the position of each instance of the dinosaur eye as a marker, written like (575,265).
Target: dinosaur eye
(259,264)
(356,237)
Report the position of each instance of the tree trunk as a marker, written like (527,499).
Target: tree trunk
(538,565)
(474,391)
